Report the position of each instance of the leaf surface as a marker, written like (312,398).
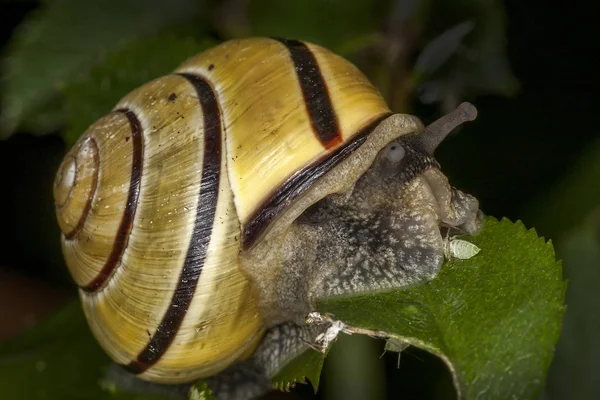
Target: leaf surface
(494,319)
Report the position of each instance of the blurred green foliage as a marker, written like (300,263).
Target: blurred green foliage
(574,372)
(44,57)
(361,357)
(567,205)
(45,363)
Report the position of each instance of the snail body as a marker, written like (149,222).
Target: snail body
(187,211)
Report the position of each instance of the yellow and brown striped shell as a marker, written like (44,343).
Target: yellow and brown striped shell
(157,198)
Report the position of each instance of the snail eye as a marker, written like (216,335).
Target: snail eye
(394,152)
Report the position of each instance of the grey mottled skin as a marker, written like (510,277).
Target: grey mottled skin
(384,234)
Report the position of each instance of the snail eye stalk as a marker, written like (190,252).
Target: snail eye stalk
(434,133)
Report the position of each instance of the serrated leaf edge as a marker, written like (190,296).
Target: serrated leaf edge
(284,385)
(413,342)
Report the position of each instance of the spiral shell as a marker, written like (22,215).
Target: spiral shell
(158,198)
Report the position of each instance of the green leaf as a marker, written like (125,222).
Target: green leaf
(121,72)
(574,372)
(63,39)
(494,319)
(59,359)
(307,365)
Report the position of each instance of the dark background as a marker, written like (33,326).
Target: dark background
(512,158)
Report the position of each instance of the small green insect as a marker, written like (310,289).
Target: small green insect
(461,249)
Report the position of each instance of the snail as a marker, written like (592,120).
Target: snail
(204,217)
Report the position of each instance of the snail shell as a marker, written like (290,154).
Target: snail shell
(158,198)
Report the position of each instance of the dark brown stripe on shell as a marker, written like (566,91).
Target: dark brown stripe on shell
(122,236)
(299,183)
(323,119)
(88,204)
(203,225)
